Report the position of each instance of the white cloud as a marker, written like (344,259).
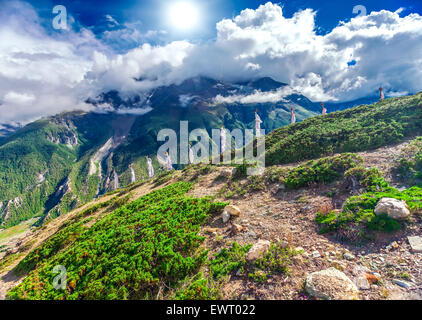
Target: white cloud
(134,111)
(50,72)
(185,99)
(263,42)
(40,73)
(111,20)
(123,37)
(257,97)
(18,98)
(155,65)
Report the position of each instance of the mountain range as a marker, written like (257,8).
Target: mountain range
(55,164)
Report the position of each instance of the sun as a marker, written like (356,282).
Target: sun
(183,15)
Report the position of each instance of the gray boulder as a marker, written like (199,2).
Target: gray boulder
(331,284)
(395,209)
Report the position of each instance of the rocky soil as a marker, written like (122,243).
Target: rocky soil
(277,215)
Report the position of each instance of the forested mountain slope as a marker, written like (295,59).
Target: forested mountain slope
(44,162)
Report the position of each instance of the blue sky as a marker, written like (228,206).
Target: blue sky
(152,14)
(319,47)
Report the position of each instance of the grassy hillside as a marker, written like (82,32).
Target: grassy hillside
(357,129)
(147,249)
(129,254)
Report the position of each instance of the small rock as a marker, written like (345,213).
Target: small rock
(225,216)
(232,210)
(251,234)
(315,254)
(236,228)
(349,256)
(402,283)
(210,230)
(338,265)
(393,245)
(258,249)
(245,296)
(395,209)
(297,260)
(362,283)
(415,243)
(358,270)
(373,265)
(331,284)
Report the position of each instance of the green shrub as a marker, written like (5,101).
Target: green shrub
(276,260)
(372,179)
(163,177)
(258,276)
(275,175)
(152,242)
(384,223)
(233,260)
(200,288)
(240,171)
(229,260)
(410,163)
(358,211)
(324,170)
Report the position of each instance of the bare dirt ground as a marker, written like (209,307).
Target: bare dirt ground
(278,215)
(289,216)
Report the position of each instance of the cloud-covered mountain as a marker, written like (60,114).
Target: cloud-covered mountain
(44,72)
(207,95)
(211,93)
(205,103)
(67,159)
